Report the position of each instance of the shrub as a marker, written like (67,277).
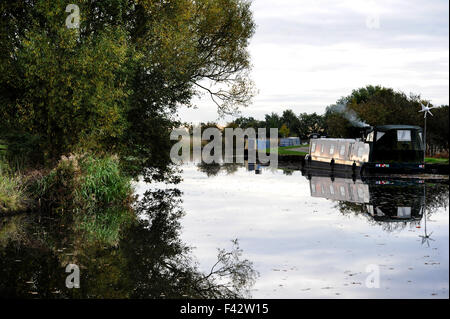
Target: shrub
(12,194)
(92,189)
(20,150)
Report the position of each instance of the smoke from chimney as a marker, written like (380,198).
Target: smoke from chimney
(350,115)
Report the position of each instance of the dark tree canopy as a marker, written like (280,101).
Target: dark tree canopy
(376,105)
(367,106)
(382,106)
(115,83)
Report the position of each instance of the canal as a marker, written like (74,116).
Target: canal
(321,237)
(228,231)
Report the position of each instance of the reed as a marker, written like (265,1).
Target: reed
(94,190)
(12,190)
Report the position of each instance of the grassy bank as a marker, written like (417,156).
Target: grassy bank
(288,150)
(432,160)
(12,193)
(93,190)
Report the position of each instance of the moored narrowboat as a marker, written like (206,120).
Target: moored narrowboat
(387,148)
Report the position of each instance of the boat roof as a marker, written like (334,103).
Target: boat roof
(396,127)
(336,139)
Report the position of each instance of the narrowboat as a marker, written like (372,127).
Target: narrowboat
(386,149)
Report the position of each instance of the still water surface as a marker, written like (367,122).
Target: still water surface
(317,238)
(297,237)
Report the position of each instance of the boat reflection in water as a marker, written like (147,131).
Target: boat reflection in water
(383,200)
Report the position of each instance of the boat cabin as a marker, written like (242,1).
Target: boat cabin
(383,145)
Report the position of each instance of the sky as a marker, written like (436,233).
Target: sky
(306,54)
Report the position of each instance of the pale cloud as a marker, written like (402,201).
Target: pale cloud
(307,54)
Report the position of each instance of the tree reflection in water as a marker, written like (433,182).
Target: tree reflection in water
(214,169)
(209,169)
(150,260)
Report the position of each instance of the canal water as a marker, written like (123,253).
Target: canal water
(230,231)
(320,237)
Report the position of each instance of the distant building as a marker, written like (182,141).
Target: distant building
(257,144)
(289,141)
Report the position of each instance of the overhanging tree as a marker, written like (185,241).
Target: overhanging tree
(114,84)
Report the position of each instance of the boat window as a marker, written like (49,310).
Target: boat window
(313,187)
(404,212)
(331,189)
(370,137)
(404,135)
(379,211)
(380,135)
(399,146)
(332,149)
(342,150)
(360,151)
(342,189)
(313,147)
(321,149)
(360,192)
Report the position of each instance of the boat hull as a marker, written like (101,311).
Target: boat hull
(364,169)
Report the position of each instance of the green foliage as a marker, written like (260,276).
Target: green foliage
(432,160)
(382,106)
(93,190)
(372,105)
(287,150)
(19,150)
(284,130)
(247,122)
(83,183)
(310,123)
(105,226)
(291,121)
(68,89)
(113,84)
(376,105)
(272,121)
(12,191)
(102,185)
(337,125)
(437,131)
(301,125)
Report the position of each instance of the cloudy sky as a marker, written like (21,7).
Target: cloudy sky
(308,53)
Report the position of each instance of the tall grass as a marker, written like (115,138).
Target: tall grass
(94,190)
(432,160)
(20,150)
(12,191)
(105,196)
(102,185)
